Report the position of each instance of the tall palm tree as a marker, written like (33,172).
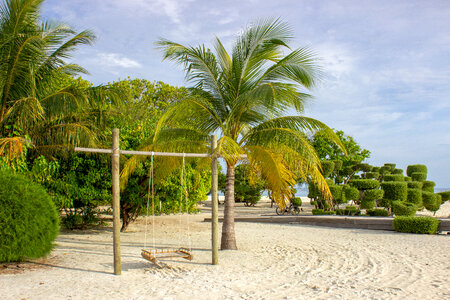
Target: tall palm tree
(245,97)
(36,100)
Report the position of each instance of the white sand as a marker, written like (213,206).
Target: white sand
(273,262)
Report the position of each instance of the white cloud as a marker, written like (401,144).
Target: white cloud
(117,60)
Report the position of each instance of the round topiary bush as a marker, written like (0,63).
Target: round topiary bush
(419,176)
(414,196)
(377,212)
(336,192)
(415,185)
(390,166)
(372,175)
(373,195)
(29,221)
(393,177)
(397,171)
(327,168)
(416,168)
(407,179)
(367,204)
(445,196)
(351,193)
(400,208)
(428,186)
(364,184)
(297,201)
(431,201)
(395,190)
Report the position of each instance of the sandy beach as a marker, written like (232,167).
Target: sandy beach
(273,262)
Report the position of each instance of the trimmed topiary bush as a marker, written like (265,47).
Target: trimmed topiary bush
(349,211)
(390,166)
(416,168)
(338,164)
(428,186)
(431,201)
(419,176)
(414,196)
(320,211)
(395,190)
(372,175)
(29,221)
(384,170)
(385,202)
(377,212)
(364,184)
(393,177)
(423,225)
(373,195)
(400,208)
(398,171)
(351,193)
(297,201)
(336,192)
(407,179)
(415,185)
(445,196)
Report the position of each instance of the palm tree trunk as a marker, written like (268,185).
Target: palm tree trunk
(228,235)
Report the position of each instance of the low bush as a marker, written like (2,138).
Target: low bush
(349,211)
(377,212)
(400,208)
(29,221)
(423,225)
(419,176)
(428,186)
(414,196)
(415,184)
(373,195)
(319,211)
(336,192)
(367,204)
(393,177)
(351,193)
(327,168)
(364,184)
(395,190)
(416,168)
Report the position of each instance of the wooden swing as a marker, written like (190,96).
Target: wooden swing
(155,254)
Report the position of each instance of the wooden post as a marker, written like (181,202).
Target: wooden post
(116,200)
(215,202)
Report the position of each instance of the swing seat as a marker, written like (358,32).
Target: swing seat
(153,256)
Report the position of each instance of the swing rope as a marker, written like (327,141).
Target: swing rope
(150,190)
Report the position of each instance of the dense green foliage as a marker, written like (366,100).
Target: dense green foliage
(445,195)
(297,201)
(319,211)
(415,184)
(419,176)
(393,177)
(349,211)
(428,186)
(364,184)
(423,225)
(415,196)
(29,222)
(377,212)
(400,208)
(395,190)
(431,201)
(415,168)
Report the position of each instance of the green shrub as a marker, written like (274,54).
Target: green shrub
(376,169)
(445,195)
(424,225)
(407,179)
(390,166)
(377,212)
(338,164)
(297,201)
(385,202)
(415,184)
(364,184)
(367,204)
(393,177)
(364,167)
(384,170)
(395,190)
(351,193)
(29,221)
(414,196)
(349,211)
(319,211)
(372,175)
(431,201)
(397,171)
(373,195)
(313,190)
(419,176)
(400,208)
(329,181)
(336,191)
(416,168)
(327,168)
(428,186)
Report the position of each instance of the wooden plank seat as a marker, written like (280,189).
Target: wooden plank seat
(154,255)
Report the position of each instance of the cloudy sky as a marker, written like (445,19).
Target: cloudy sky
(387,63)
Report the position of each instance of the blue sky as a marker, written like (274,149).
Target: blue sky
(387,63)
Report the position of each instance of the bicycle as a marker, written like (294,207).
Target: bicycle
(291,209)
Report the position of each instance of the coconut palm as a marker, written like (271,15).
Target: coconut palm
(245,97)
(36,99)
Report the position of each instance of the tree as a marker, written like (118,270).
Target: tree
(37,104)
(244,97)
